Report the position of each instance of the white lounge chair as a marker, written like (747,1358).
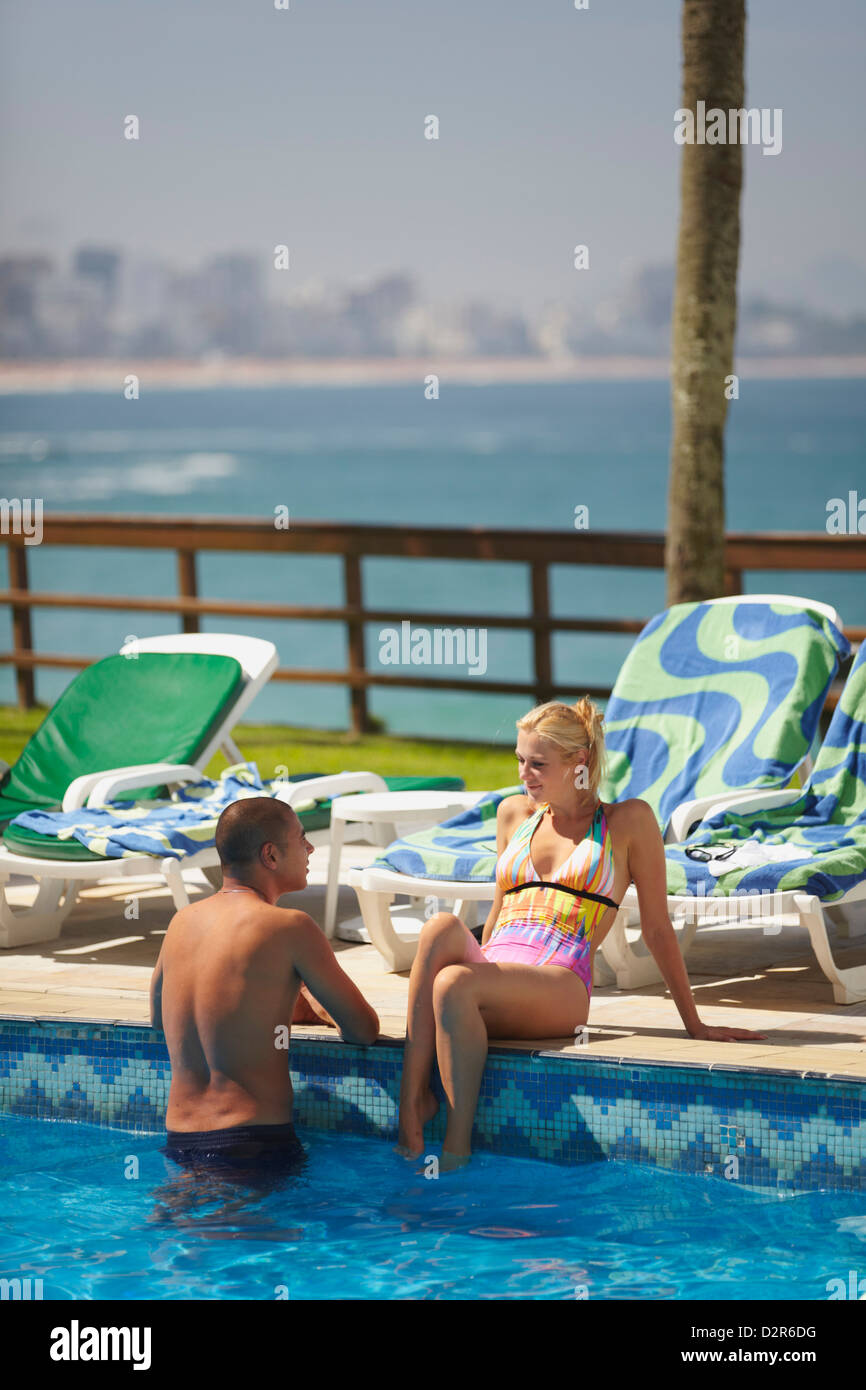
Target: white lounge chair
(115,699)
(823,829)
(396,933)
(159,697)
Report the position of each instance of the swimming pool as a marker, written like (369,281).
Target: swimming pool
(592,1178)
(102,1214)
(767,1129)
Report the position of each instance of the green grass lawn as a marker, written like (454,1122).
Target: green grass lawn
(271,746)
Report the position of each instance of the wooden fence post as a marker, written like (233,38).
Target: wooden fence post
(187,586)
(22,636)
(733,582)
(541,636)
(355,630)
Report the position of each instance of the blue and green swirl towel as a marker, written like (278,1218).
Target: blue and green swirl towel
(171,829)
(815,844)
(718,697)
(462,849)
(712,698)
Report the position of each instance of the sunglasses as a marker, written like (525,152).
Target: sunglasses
(703,855)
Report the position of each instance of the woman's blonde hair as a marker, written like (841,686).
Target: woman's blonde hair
(571,729)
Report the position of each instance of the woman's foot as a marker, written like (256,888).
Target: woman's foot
(414,1115)
(448,1162)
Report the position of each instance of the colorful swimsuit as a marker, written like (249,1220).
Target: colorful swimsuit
(551,921)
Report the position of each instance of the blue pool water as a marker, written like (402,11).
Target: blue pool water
(359,1222)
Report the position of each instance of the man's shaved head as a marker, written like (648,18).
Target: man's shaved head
(246,825)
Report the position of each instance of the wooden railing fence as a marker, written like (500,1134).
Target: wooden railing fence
(538,550)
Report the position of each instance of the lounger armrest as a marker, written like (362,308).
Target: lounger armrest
(689,815)
(376,880)
(97,788)
(325,788)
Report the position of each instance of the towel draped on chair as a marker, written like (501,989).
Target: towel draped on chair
(814,844)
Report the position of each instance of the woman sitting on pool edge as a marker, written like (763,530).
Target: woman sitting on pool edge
(565,861)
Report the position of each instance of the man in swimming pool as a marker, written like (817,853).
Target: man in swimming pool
(227,987)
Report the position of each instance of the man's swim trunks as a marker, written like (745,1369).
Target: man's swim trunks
(240,1144)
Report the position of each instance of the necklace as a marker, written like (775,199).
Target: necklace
(592,814)
(244,890)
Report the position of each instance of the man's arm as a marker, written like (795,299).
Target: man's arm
(314,960)
(156,995)
(309,1010)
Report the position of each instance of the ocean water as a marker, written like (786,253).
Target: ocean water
(497,455)
(359,1222)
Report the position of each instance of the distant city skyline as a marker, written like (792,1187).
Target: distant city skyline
(306,127)
(105,304)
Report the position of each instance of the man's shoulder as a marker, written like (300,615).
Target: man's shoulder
(285,918)
(267,917)
(182,917)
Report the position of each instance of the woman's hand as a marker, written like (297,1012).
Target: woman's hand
(709,1034)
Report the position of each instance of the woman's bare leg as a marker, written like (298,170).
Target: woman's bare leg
(443,942)
(474,1002)
(461,1050)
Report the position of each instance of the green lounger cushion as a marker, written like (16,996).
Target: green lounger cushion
(425,784)
(156,707)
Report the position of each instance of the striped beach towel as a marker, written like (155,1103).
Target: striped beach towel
(715,698)
(815,845)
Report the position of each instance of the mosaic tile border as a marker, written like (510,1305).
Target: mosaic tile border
(774,1130)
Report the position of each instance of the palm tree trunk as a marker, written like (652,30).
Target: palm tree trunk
(705,303)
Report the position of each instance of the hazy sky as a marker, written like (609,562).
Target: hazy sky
(261,126)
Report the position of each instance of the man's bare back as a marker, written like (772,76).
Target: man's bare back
(227,983)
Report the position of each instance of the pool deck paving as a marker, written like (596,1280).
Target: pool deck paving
(99,970)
